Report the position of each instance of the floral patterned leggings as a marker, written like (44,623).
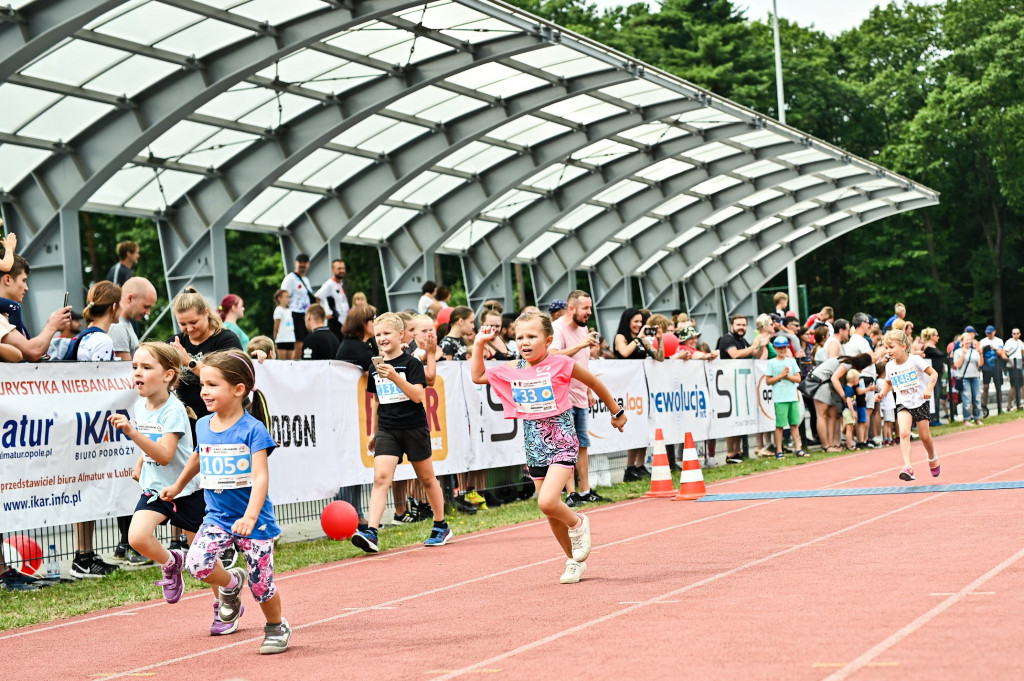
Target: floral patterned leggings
(258,553)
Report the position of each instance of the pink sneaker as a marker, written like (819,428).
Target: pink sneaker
(907,474)
(172,583)
(934,471)
(221,628)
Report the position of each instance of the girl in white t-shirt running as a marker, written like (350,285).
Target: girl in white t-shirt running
(911,379)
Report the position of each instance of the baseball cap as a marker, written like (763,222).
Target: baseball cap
(776,317)
(791,314)
(556,305)
(970,329)
(780,342)
(990,329)
(687,333)
(302,257)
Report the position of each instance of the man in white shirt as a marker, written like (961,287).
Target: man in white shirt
(858,344)
(333,298)
(138,296)
(992,371)
(573,338)
(297,284)
(1014,349)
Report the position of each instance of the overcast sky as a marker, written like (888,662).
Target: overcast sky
(831,16)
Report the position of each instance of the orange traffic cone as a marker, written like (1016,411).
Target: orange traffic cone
(691,479)
(661,474)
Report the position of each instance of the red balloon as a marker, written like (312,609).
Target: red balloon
(671,343)
(23,553)
(339,520)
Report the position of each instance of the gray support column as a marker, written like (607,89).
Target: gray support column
(54,254)
(498,286)
(611,298)
(408,294)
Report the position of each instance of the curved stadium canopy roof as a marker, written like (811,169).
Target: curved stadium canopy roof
(460,126)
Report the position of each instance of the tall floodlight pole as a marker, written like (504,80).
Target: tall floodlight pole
(794,302)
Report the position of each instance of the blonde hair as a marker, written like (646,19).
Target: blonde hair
(423,319)
(761,321)
(898,324)
(103,296)
(852,376)
(658,320)
(897,336)
(237,369)
(359,298)
(263,343)
(780,296)
(166,356)
(928,333)
(191,299)
(545,321)
(899,307)
(395,321)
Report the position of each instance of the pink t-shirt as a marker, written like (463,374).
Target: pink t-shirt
(539,391)
(566,337)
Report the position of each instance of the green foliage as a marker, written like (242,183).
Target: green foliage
(256,271)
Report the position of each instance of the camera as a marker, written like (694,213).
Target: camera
(650,331)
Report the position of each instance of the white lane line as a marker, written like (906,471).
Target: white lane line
(708,580)
(924,619)
(343,563)
(436,590)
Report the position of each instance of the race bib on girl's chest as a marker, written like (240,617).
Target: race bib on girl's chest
(154,431)
(225,466)
(387,391)
(534,396)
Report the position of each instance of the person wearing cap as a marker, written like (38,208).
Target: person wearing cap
(297,284)
(689,337)
(783,374)
(557,308)
(991,347)
(967,363)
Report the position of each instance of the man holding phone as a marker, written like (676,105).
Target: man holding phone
(14,286)
(573,338)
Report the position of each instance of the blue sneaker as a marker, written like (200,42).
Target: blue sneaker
(366,540)
(439,536)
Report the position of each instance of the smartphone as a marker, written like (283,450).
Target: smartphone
(377,360)
(650,331)
(67,297)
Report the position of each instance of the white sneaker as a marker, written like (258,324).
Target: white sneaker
(580,539)
(573,572)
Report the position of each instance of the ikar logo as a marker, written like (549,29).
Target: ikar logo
(437,420)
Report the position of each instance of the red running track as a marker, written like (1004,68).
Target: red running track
(920,586)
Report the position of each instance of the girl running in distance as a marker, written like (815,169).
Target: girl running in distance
(536,390)
(163,434)
(232,446)
(913,392)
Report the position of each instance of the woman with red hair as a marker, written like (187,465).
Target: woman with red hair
(231,309)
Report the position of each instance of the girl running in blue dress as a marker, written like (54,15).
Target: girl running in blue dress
(232,446)
(535,389)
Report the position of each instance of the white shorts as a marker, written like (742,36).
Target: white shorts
(869,399)
(889,414)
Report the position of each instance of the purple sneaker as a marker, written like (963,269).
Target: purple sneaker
(220,628)
(172,583)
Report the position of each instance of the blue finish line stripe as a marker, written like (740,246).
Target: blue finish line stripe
(862,491)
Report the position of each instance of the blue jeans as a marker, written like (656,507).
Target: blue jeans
(970,397)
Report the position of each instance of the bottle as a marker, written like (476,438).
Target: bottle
(52,564)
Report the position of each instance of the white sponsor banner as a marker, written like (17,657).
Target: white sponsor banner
(626,382)
(765,402)
(494,440)
(737,405)
(679,397)
(61,460)
(307,424)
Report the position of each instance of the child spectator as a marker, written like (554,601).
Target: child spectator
(359,298)
(398,429)
(261,344)
(850,411)
(888,406)
(462,323)
(784,375)
(284,325)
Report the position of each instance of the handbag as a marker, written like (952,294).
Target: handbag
(810,384)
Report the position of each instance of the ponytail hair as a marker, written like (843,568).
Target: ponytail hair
(103,295)
(237,369)
(191,299)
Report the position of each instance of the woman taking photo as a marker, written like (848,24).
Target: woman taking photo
(633,341)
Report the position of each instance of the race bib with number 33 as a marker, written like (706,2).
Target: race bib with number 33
(225,466)
(534,396)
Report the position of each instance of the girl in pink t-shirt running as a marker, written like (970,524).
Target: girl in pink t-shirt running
(535,389)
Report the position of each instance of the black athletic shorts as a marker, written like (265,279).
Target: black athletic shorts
(414,443)
(299,319)
(918,414)
(185,512)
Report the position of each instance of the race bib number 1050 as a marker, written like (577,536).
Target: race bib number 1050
(225,466)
